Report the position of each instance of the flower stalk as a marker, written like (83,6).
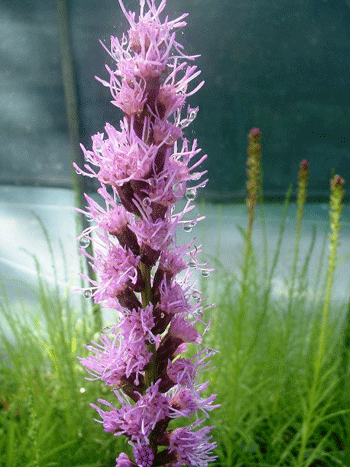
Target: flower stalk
(336,207)
(303,176)
(253,186)
(254,175)
(143,170)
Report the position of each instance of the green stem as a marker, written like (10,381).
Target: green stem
(319,358)
(238,359)
(344,366)
(335,213)
(147,292)
(294,273)
(270,275)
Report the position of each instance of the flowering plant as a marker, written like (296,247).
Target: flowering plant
(143,170)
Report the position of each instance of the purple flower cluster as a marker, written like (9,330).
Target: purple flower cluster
(143,169)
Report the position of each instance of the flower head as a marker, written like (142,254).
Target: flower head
(143,169)
(192,448)
(124,461)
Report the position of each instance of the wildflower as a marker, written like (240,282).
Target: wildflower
(191,447)
(254,169)
(124,461)
(303,176)
(143,169)
(336,204)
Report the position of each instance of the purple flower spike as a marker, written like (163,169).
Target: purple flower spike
(143,169)
(124,461)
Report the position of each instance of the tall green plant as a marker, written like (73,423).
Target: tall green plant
(316,394)
(303,176)
(253,184)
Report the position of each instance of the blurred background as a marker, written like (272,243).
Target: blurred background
(280,65)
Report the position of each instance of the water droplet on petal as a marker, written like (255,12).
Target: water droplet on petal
(193,114)
(196,296)
(115,53)
(84,242)
(89,217)
(97,146)
(88,293)
(169,140)
(192,263)
(206,272)
(191,194)
(146,202)
(187,227)
(196,176)
(184,123)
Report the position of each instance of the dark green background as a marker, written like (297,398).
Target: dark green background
(281,65)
